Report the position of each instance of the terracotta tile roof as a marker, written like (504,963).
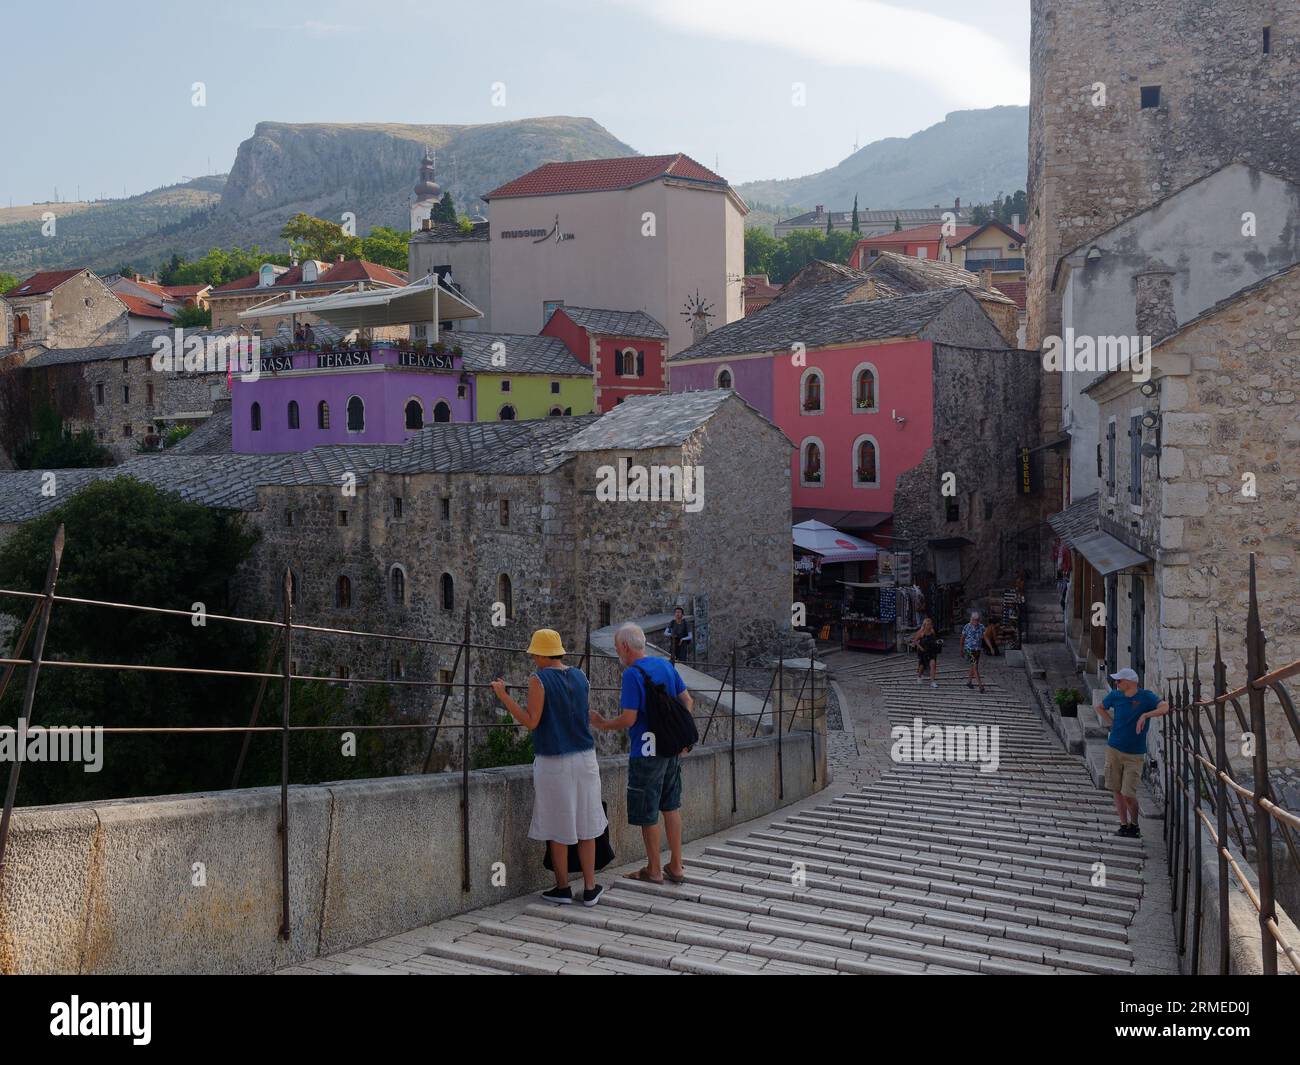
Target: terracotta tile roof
(141,307)
(919,234)
(1014,290)
(597,175)
(149,286)
(964,233)
(45,281)
(181,291)
(757,286)
(347,272)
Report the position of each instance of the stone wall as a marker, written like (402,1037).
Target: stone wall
(985,405)
(110,887)
(1228,387)
(82,312)
(1221,99)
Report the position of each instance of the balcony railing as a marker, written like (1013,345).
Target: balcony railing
(998,266)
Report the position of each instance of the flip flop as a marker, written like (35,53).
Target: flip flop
(672,879)
(642,874)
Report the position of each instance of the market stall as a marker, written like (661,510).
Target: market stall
(825,557)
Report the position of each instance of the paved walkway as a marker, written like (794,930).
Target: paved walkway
(895,868)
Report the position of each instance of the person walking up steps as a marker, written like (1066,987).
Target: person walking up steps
(1127,710)
(927,644)
(974,638)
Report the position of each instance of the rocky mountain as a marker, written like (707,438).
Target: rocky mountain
(325,169)
(971,154)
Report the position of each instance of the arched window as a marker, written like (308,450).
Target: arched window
(414,414)
(506,413)
(555,412)
(723,378)
(866,462)
(505,595)
(448,592)
(810,389)
(864,389)
(255,416)
(293,414)
(322,415)
(441,412)
(811,474)
(397,585)
(342,592)
(568,412)
(356,415)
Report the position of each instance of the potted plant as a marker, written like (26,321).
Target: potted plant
(456,351)
(1068,700)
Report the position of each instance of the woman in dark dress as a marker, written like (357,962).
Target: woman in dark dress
(926,642)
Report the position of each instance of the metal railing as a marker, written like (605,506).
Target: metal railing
(1197,776)
(36,627)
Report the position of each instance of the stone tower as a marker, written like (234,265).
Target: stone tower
(427,193)
(1132,99)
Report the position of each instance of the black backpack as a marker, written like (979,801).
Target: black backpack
(671,723)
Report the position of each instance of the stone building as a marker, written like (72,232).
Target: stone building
(116,391)
(462,257)
(64,309)
(503,526)
(1199,470)
(1130,102)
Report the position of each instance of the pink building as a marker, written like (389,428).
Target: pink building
(850,380)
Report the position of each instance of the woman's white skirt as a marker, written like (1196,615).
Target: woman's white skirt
(566,798)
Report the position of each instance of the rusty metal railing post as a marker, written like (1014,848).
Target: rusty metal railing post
(286,675)
(464,767)
(1221,794)
(734,710)
(780,709)
(1190,825)
(1166,736)
(1198,905)
(257,709)
(29,691)
(1256,667)
(812,710)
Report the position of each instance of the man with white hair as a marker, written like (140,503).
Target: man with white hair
(974,638)
(654,777)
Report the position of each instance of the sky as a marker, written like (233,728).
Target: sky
(763,88)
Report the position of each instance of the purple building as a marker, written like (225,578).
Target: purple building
(381,395)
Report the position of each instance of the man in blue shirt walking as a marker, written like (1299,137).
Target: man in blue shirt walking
(1127,709)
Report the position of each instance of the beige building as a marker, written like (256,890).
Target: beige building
(659,234)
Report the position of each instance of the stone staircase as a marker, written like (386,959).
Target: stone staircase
(934,868)
(1044,620)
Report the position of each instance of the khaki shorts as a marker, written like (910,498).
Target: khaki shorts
(1123,771)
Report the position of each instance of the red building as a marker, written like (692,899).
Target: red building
(921,242)
(625,350)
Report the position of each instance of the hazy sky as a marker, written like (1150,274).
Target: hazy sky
(99,95)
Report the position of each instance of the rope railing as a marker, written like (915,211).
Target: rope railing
(1193,775)
(34,631)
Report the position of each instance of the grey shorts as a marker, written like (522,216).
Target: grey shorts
(654,785)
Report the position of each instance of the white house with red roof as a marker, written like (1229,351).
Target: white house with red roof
(659,234)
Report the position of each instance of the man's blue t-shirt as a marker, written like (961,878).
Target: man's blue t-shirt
(662,672)
(1126,711)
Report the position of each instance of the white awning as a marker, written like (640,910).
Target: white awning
(427,300)
(831,544)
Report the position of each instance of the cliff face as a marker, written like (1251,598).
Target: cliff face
(327,169)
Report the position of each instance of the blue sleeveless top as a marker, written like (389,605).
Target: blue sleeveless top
(564,727)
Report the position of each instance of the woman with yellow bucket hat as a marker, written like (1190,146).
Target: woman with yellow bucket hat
(566,775)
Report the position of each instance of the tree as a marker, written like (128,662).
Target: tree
(829,228)
(319,238)
(53,446)
(130,542)
(386,246)
(444,210)
(218,265)
(193,316)
(7,282)
(898,225)
(856,226)
(760,248)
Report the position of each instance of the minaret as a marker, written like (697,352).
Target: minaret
(427,193)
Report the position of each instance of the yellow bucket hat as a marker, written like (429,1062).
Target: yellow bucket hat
(546,643)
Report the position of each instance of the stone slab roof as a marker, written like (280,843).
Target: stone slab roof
(524,354)
(136,346)
(447,232)
(536,446)
(651,421)
(210,437)
(830,313)
(616,323)
(1078,519)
